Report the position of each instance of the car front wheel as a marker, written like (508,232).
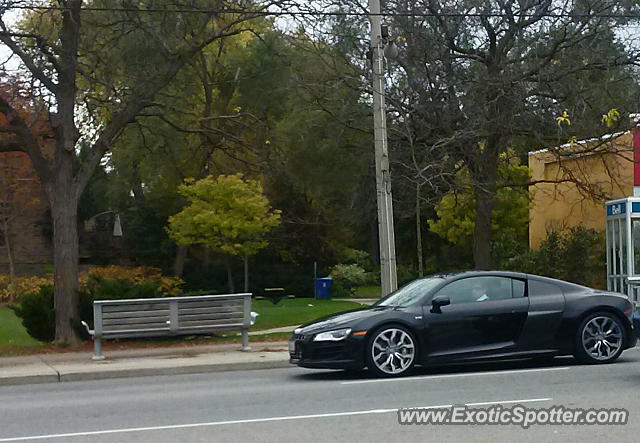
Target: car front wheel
(391,351)
(599,338)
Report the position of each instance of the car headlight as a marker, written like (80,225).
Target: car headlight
(336,335)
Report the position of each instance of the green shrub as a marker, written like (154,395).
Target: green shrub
(36,311)
(103,289)
(168,286)
(338,290)
(98,288)
(346,278)
(355,256)
(576,255)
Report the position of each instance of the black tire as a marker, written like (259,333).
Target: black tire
(399,356)
(603,327)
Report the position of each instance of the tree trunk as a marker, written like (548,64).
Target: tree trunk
(482,230)
(419,232)
(178,264)
(485,183)
(63,194)
(65,269)
(246,273)
(227,264)
(12,272)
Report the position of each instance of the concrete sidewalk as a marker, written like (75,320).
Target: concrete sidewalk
(170,360)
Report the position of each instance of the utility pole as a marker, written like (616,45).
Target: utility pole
(388,278)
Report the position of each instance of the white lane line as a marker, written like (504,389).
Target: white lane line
(464,374)
(260,420)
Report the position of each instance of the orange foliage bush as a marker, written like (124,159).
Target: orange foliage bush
(168,286)
(22,285)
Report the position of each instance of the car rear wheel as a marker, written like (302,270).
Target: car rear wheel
(391,351)
(599,338)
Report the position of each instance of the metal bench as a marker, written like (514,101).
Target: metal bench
(153,317)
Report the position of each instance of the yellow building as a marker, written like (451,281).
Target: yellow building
(572,183)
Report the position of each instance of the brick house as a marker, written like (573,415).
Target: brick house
(22,198)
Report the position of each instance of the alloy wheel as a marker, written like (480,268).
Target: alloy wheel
(602,338)
(393,351)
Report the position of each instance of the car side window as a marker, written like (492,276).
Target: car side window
(537,287)
(480,289)
(518,288)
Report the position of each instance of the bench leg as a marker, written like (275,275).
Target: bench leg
(97,347)
(245,340)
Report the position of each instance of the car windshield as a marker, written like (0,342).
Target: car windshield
(410,293)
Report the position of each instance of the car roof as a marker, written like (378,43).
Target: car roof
(464,274)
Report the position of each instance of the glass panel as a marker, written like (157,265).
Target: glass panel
(410,293)
(477,289)
(543,288)
(616,247)
(608,251)
(635,235)
(623,247)
(517,288)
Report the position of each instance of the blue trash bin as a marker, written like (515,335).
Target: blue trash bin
(323,288)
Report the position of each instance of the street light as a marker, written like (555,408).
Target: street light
(379,43)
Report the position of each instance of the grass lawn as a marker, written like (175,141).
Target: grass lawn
(290,312)
(368,292)
(12,333)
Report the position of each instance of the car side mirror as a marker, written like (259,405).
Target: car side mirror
(438,302)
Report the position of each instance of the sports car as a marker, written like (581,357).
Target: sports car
(470,316)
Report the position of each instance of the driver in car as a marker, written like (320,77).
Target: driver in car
(479,293)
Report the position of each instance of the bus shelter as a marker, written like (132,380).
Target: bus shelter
(623,246)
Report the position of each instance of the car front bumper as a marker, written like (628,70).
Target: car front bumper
(343,354)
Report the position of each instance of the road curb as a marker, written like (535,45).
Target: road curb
(178,370)
(102,374)
(28,379)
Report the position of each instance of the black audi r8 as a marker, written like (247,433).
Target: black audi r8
(470,316)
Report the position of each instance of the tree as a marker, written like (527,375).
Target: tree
(321,170)
(93,68)
(226,213)
(506,70)
(510,218)
(201,127)
(476,78)
(277,106)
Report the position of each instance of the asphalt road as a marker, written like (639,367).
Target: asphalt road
(296,404)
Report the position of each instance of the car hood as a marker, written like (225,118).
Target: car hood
(345,319)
